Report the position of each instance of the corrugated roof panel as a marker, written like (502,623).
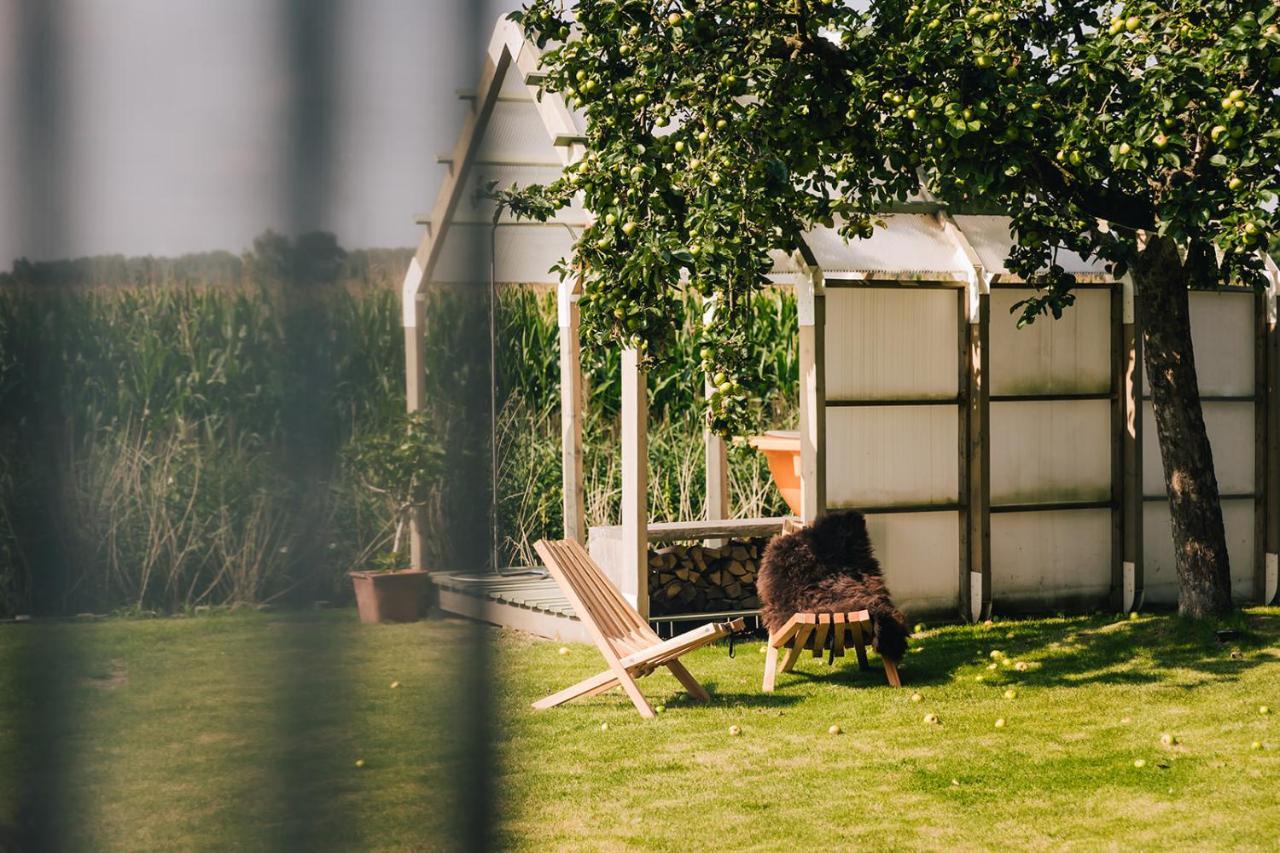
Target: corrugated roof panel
(910,246)
(990,238)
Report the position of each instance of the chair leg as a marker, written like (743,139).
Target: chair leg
(891,672)
(860,644)
(588,687)
(770,668)
(691,685)
(797,646)
(633,691)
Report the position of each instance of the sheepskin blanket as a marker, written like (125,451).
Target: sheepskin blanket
(829,567)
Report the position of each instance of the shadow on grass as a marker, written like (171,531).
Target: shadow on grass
(1063,651)
(731,697)
(1098,649)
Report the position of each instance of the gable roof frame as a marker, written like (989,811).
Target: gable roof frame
(508,51)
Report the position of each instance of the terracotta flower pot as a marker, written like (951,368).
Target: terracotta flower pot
(782,450)
(390,596)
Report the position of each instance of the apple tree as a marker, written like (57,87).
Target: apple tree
(1143,134)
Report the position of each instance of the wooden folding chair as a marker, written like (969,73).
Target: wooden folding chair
(812,631)
(624,637)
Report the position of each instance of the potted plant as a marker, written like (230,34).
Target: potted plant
(399,465)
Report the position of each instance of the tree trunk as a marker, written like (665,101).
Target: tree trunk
(1199,539)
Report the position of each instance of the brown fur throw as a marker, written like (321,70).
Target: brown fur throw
(829,567)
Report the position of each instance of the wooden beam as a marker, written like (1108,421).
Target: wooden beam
(1126,425)
(1270,494)
(415,400)
(811,308)
(716,455)
(978,499)
(635,482)
(1132,586)
(574,512)
(975,538)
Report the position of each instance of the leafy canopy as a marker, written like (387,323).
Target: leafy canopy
(721,130)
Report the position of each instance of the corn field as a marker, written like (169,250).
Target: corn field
(164,448)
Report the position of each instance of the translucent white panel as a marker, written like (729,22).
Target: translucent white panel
(1071,355)
(1046,451)
(920,555)
(525,254)
(1046,557)
(476,207)
(892,344)
(516,132)
(1160,576)
(1222,332)
(990,238)
(1231,438)
(909,246)
(892,455)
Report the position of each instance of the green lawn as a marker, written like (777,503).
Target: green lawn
(243,731)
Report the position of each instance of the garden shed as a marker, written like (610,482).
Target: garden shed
(996,465)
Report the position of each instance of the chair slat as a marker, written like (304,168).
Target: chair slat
(820,633)
(624,637)
(594,596)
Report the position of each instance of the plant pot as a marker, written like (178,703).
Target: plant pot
(782,450)
(390,596)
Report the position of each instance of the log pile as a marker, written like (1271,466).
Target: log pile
(698,579)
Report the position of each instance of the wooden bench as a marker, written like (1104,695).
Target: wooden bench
(820,632)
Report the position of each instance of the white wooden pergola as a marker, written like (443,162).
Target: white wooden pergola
(899,394)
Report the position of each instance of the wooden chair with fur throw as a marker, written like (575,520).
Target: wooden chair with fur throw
(821,589)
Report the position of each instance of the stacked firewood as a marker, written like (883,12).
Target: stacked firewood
(698,579)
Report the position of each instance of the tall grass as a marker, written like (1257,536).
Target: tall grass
(164,448)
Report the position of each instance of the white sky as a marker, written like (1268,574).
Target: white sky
(175,117)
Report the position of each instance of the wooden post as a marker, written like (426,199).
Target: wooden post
(575,525)
(635,483)
(975,452)
(1261,452)
(1270,493)
(716,456)
(964,386)
(978,498)
(1126,459)
(811,308)
(1127,582)
(414,319)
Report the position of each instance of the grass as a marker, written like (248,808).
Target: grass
(242,730)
